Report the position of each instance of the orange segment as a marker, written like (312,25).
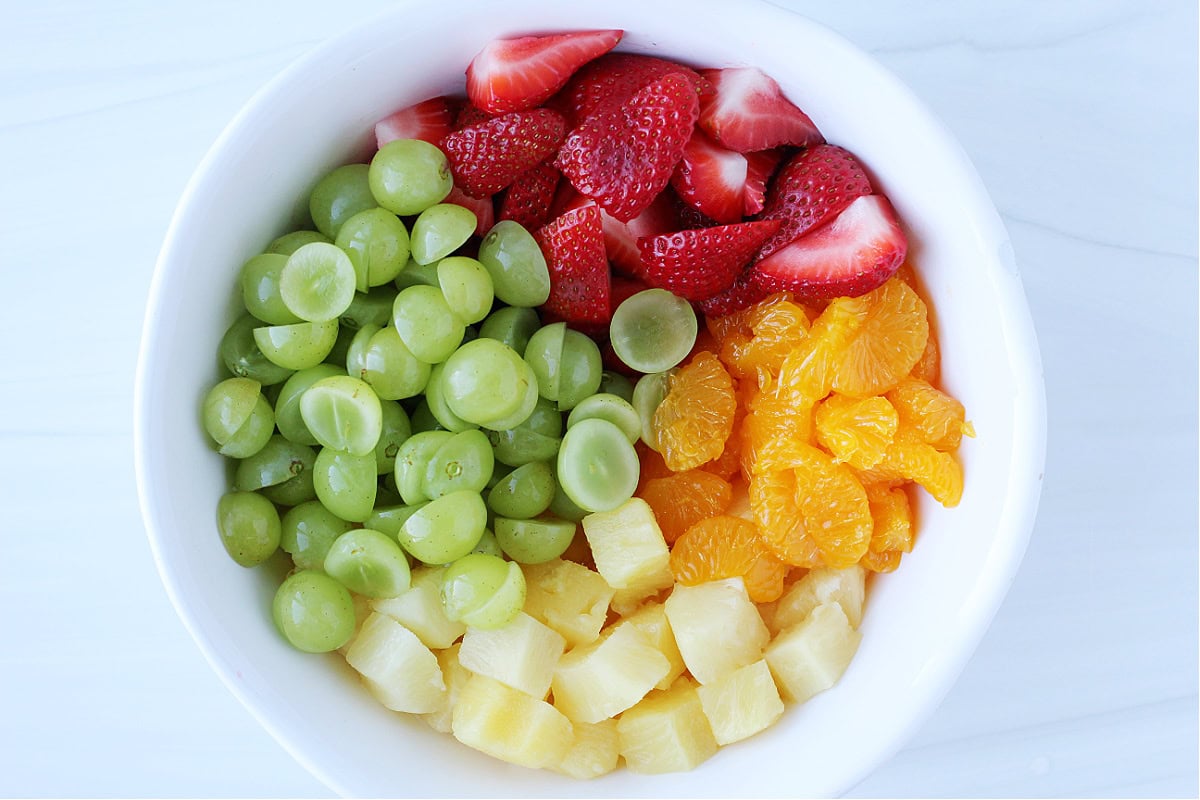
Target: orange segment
(728,547)
(928,366)
(775,329)
(881,562)
(696,417)
(856,431)
(685,498)
(887,344)
(937,472)
(808,370)
(834,507)
(938,418)
(780,523)
(892,518)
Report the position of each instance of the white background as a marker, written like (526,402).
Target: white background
(1082,119)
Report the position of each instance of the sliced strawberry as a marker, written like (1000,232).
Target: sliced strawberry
(470,115)
(711,179)
(853,254)
(749,112)
(429,121)
(698,264)
(744,293)
(620,238)
(623,158)
(813,187)
(517,74)
(528,200)
(488,156)
(610,80)
(624,288)
(482,207)
(687,216)
(579,283)
(759,168)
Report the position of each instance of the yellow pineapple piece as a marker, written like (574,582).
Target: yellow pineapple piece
(666,732)
(741,703)
(455,675)
(510,725)
(629,549)
(846,587)
(362,610)
(594,752)
(522,654)
(396,667)
(420,609)
(810,657)
(568,597)
(602,679)
(651,620)
(716,626)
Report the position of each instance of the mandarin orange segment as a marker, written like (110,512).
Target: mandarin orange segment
(856,431)
(834,507)
(937,472)
(809,368)
(892,519)
(780,523)
(938,418)
(887,344)
(771,424)
(681,500)
(881,562)
(928,366)
(776,329)
(652,464)
(728,547)
(696,417)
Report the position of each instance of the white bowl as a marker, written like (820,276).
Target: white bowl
(922,622)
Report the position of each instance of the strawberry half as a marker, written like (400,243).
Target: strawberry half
(429,121)
(573,245)
(624,157)
(813,187)
(749,112)
(516,74)
(620,238)
(470,115)
(711,179)
(528,200)
(744,293)
(488,156)
(850,256)
(610,80)
(481,207)
(759,168)
(698,264)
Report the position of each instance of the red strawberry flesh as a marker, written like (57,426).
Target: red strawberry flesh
(712,179)
(428,121)
(518,74)
(698,264)
(749,112)
(481,207)
(528,200)
(573,245)
(609,81)
(489,156)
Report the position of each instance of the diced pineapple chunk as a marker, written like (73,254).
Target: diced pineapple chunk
(810,657)
(420,609)
(594,752)
(742,703)
(362,610)
(455,675)
(847,587)
(600,680)
(666,732)
(629,549)
(651,620)
(568,597)
(510,725)
(716,626)
(397,668)
(522,654)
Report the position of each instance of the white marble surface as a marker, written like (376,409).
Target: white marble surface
(1082,119)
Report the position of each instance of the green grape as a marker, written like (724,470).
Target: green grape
(249,527)
(390,519)
(343,413)
(241,356)
(435,399)
(648,394)
(423,418)
(534,541)
(564,507)
(317,282)
(287,407)
(464,461)
(339,196)
(415,274)
(277,462)
(373,307)
(446,528)
(597,466)
(408,176)
(528,404)
(412,462)
(298,346)
(488,545)
(237,417)
(483,591)
(511,325)
(440,230)
(426,324)
(309,530)
(377,245)
(314,612)
(516,263)
(260,289)
(389,367)
(394,433)
(523,493)
(368,563)
(346,484)
(653,330)
(295,490)
(341,345)
(356,352)
(291,242)
(616,410)
(535,439)
(566,363)
(466,286)
(616,383)
(499,471)
(485,382)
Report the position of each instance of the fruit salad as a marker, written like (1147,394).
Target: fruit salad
(581,414)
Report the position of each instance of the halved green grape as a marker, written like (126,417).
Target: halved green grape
(260,289)
(535,439)
(314,612)
(597,465)
(249,527)
(499,472)
(369,563)
(415,274)
(344,414)
(511,325)
(317,282)
(356,353)
(483,591)
(339,196)
(287,407)
(653,330)
(412,461)
(242,357)
(466,286)
(237,417)
(346,484)
(394,433)
(567,364)
(534,541)
(291,242)
(408,176)
(435,399)
(423,418)
(464,461)
(376,242)
(390,368)
(616,383)
(616,410)
(277,462)
(440,230)
(516,263)
(298,346)
(427,324)
(648,394)
(543,353)
(309,530)
(390,519)
(446,528)
(564,507)
(373,307)
(488,545)
(525,409)
(295,490)
(486,382)
(523,493)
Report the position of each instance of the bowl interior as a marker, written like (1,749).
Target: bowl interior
(921,623)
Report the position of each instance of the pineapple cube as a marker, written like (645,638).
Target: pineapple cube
(362,610)
(510,725)
(629,549)
(420,609)
(568,597)
(742,703)
(397,668)
(522,654)
(594,752)
(810,657)
(666,732)
(651,620)
(455,675)
(716,626)
(847,587)
(600,680)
